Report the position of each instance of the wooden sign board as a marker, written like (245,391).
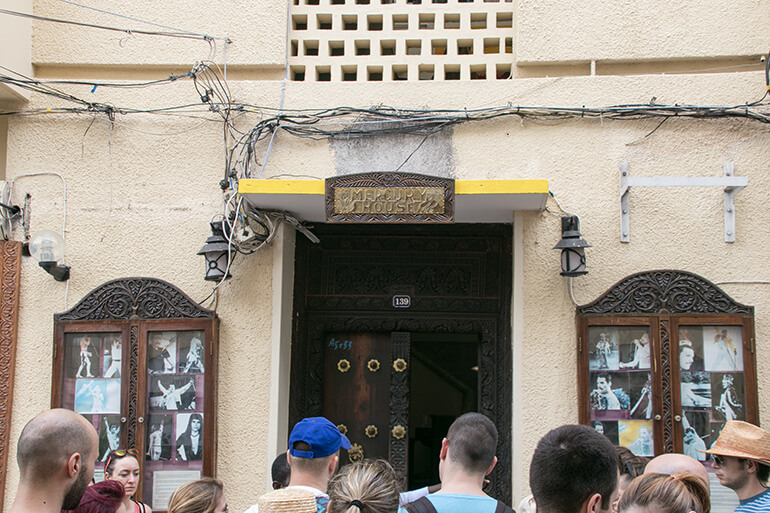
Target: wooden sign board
(389,198)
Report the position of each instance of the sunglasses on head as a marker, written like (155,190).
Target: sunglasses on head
(120,453)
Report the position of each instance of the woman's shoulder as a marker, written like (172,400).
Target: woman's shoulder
(140,507)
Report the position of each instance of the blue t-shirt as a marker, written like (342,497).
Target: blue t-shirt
(760,502)
(457,503)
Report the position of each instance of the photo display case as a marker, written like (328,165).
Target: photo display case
(712,380)
(665,359)
(145,380)
(620,382)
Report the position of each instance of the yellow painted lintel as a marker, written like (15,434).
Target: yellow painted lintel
(464,187)
(257,186)
(501,187)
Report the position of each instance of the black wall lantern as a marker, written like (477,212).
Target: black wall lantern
(215,251)
(572,246)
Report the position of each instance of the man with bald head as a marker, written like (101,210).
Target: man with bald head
(56,455)
(675,463)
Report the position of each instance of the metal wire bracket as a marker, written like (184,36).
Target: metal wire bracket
(732,185)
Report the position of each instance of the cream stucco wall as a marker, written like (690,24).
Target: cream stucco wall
(15,47)
(141,192)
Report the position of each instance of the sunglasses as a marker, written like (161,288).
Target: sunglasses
(120,453)
(720,460)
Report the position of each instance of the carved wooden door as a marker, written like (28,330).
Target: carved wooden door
(366,393)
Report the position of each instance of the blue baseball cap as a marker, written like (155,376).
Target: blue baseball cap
(322,436)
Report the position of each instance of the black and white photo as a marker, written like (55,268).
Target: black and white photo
(690,349)
(608,428)
(113,355)
(727,396)
(695,426)
(109,435)
(160,429)
(696,389)
(161,352)
(172,393)
(640,386)
(191,355)
(189,440)
(603,348)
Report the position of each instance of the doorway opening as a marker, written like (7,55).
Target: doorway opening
(444,385)
(393,375)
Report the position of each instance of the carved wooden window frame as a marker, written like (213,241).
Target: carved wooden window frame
(664,301)
(136,307)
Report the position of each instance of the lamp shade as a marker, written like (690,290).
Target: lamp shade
(216,251)
(572,245)
(46,246)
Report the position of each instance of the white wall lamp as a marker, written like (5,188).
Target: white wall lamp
(572,246)
(47,248)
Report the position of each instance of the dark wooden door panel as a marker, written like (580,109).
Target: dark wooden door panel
(357,390)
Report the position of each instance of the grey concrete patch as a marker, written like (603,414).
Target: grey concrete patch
(383,153)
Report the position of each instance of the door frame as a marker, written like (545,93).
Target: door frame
(492,327)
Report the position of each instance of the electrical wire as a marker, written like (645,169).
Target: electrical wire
(184,35)
(64,214)
(138,20)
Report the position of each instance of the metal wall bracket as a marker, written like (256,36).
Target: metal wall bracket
(732,186)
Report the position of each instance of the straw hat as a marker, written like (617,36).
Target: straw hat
(287,500)
(743,440)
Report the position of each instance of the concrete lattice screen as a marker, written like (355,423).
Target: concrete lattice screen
(397,40)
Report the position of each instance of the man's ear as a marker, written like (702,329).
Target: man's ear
(288,458)
(74,464)
(333,462)
(593,504)
(751,466)
(491,467)
(444,449)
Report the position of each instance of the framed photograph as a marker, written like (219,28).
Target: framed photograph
(161,352)
(172,393)
(695,390)
(607,428)
(636,435)
(609,396)
(634,347)
(690,349)
(723,348)
(603,348)
(109,435)
(728,396)
(697,431)
(190,358)
(640,386)
(82,355)
(189,436)
(159,441)
(97,396)
(112,355)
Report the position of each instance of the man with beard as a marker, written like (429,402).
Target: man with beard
(56,454)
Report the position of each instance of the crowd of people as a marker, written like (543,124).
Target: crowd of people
(574,469)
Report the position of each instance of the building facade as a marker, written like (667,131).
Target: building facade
(532,110)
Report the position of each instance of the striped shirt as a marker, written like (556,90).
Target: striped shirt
(760,502)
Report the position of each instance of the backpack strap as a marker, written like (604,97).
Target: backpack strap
(421,505)
(503,508)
